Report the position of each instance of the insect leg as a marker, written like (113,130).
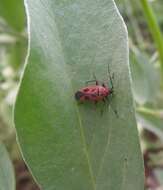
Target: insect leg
(94,80)
(104,85)
(114,110)
(104,106)
(94,76)
(90,81)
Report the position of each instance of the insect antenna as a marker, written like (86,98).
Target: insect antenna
(110,77)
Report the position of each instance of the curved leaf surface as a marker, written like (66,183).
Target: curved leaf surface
(68,145)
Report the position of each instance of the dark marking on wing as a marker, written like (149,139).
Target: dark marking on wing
(86,90)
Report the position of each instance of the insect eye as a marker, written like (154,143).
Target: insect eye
(78,95)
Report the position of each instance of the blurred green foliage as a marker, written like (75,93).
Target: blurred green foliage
(13,46)
(144,21)
(13,13)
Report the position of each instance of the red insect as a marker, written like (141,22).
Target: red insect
(97,92)
(94,93)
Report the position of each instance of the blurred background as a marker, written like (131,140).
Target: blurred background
(144,20)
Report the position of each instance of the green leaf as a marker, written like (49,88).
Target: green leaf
(145,80)
(68,145)
(13,12)
(7,178)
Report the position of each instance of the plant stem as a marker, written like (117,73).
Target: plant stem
(155,29)
(155,113)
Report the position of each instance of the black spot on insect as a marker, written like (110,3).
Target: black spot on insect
(78,95)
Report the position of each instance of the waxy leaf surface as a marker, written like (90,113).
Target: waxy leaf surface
(69,145)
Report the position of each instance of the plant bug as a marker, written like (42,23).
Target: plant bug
(97,92)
